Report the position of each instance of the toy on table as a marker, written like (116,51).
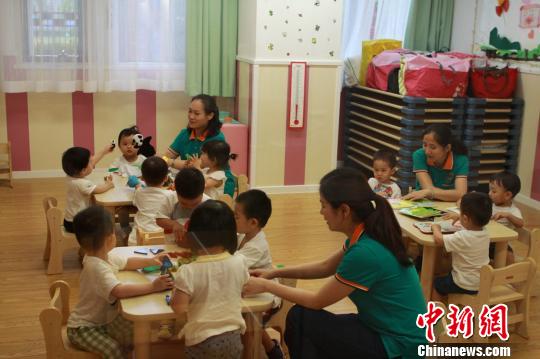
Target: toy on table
(421,212)
(166,266)
(446,227)
(133,181)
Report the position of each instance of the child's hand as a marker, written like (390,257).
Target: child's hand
(436,227)
(108,148)
(500,215)
(109,181)
(162,282)
(262,273)
(451,215)
(254,286)
(195,162)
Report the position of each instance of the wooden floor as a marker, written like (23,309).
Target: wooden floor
(296,232)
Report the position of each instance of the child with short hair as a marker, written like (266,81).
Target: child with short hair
(213,162)
(209,289)
(95,324)
(503,187)
(78,163)
(189,186)
(153,201)
(469,247)
(130,162)
(252,210)
(384,167)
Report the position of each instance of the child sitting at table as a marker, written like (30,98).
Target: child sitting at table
(252,211)
(503,187)
(130,162)
(213,162)
(95,325)
(209,289)
(153,201)
(189,186)
(78,163)
(384,167)
(469,247)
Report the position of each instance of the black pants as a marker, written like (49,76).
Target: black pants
(312,334)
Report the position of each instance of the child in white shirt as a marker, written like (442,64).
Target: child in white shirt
(78,163)
(95,324)
(130,162)
(469,247)
(503,187)
(153,201)
(209,289)
(252,210)
(213,162)
(384,167)
(189,186)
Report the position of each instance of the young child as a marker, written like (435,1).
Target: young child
(78,163)
(210,288)
(189,186)
(469,247)
(252,211)
(153,201)
(503,187)
(213,162)
(384,167)
(130,162)
(95,324)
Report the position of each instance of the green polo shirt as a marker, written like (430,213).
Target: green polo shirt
(442,177)
(387,295)
(184,144)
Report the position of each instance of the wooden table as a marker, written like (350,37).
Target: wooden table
(498,233)
(119,196)
(144,310)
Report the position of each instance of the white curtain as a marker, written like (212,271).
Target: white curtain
(369,20)
(92,45)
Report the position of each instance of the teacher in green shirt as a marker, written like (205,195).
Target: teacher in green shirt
(203,126)
(372,269)
(441,166)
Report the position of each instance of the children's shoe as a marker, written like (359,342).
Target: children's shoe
(275,352)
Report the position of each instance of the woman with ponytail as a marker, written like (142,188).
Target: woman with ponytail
(372,269)
(441,166)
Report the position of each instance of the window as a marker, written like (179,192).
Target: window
(54,30)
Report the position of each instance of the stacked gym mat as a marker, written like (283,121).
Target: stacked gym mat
(377,120)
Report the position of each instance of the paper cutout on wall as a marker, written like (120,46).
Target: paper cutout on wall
(529,16)
(503,6)
(501,42)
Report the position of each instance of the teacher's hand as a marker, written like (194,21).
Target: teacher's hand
(254,286)
(416,195)
(262,273)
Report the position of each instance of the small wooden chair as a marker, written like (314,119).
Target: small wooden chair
(242,182)
(277,322)
(227,199)
(53,323)
(503,285)
(58,240)
(5,161)
(150,238)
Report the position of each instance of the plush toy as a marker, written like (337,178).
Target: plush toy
(134,181)
(143,145)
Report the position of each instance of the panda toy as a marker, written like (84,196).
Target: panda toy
(143,145)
